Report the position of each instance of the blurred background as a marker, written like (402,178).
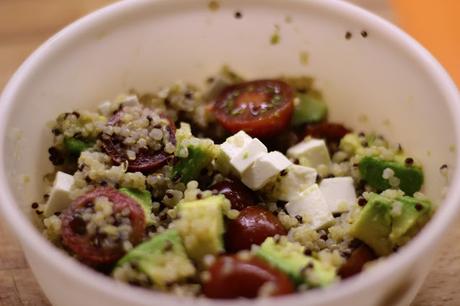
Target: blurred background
(25,24)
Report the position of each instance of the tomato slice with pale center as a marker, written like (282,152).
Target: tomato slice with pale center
(261,108)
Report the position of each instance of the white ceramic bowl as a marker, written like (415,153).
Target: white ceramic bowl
(384,82)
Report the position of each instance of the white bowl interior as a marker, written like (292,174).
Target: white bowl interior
(370,84)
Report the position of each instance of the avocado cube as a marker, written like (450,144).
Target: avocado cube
(76,146)
(289,257)
(201,226)
(189,168)
(373,226)
(385,224)
(144,199)
(162,259)
(310,109)
(413,215)
(371,170)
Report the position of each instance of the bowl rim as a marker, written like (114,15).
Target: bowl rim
(28,234)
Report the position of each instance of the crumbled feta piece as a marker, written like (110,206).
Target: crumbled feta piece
(131,100)
(290,184)
(59,197)
(339,193)
(105,108)
(312,207)
(248,155)
(234,144)
(266,167)
(310,152)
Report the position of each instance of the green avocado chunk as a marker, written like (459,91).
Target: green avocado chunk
(76,146)
(385,224)
(144,198)
(201,226)
(290,258)
(371,170)
(189,168)
(162,259)
(309,110)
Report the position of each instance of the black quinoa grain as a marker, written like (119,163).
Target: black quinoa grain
(238,15)
(336,214)
(76,114)
(39,212)
(78,225)
(299,218)
(443,167)
(56,131)
(307,252)
(46,196)
(364,33)
(323,237)
(409,161)
(103,183)
(169,195)
(283,172)
(55,156)
(117,186)
(34,205)
(149,118)
(57,214)
(87,180)
(418,207)
(168,246)
(362,201)
(188,95)
(348,35)
(199,196)
(296,161)
(361,134)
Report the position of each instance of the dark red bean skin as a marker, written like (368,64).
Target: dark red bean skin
(231,277)
(238,194)
(74,232)
(358,258)
(253,225)
(145,161)
(332,132)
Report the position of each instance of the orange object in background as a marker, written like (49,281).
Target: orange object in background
(436,25)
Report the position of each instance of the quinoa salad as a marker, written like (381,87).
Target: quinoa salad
(230,189)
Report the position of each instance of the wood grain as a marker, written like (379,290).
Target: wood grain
(24,25)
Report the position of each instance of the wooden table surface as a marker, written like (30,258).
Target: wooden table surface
(25,24)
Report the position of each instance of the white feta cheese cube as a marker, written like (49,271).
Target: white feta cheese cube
(339,193)
(234,144)
(248,155)
(310,152)
(266,167)
(59,197)
(312,207)
(105,108)
(130,100)
(293,182)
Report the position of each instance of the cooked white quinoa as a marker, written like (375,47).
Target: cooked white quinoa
(140,123)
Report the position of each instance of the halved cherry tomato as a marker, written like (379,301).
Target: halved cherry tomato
(330,131)
(88,247)
(232,277)
(252,226)
(146,161)
(238,194)
(260,108)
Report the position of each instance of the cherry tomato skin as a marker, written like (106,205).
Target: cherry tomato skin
(238,194)
(145,161)
(261,108)
(330,131)
(74,235)
(358,258)
(252,226)
(231,277)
